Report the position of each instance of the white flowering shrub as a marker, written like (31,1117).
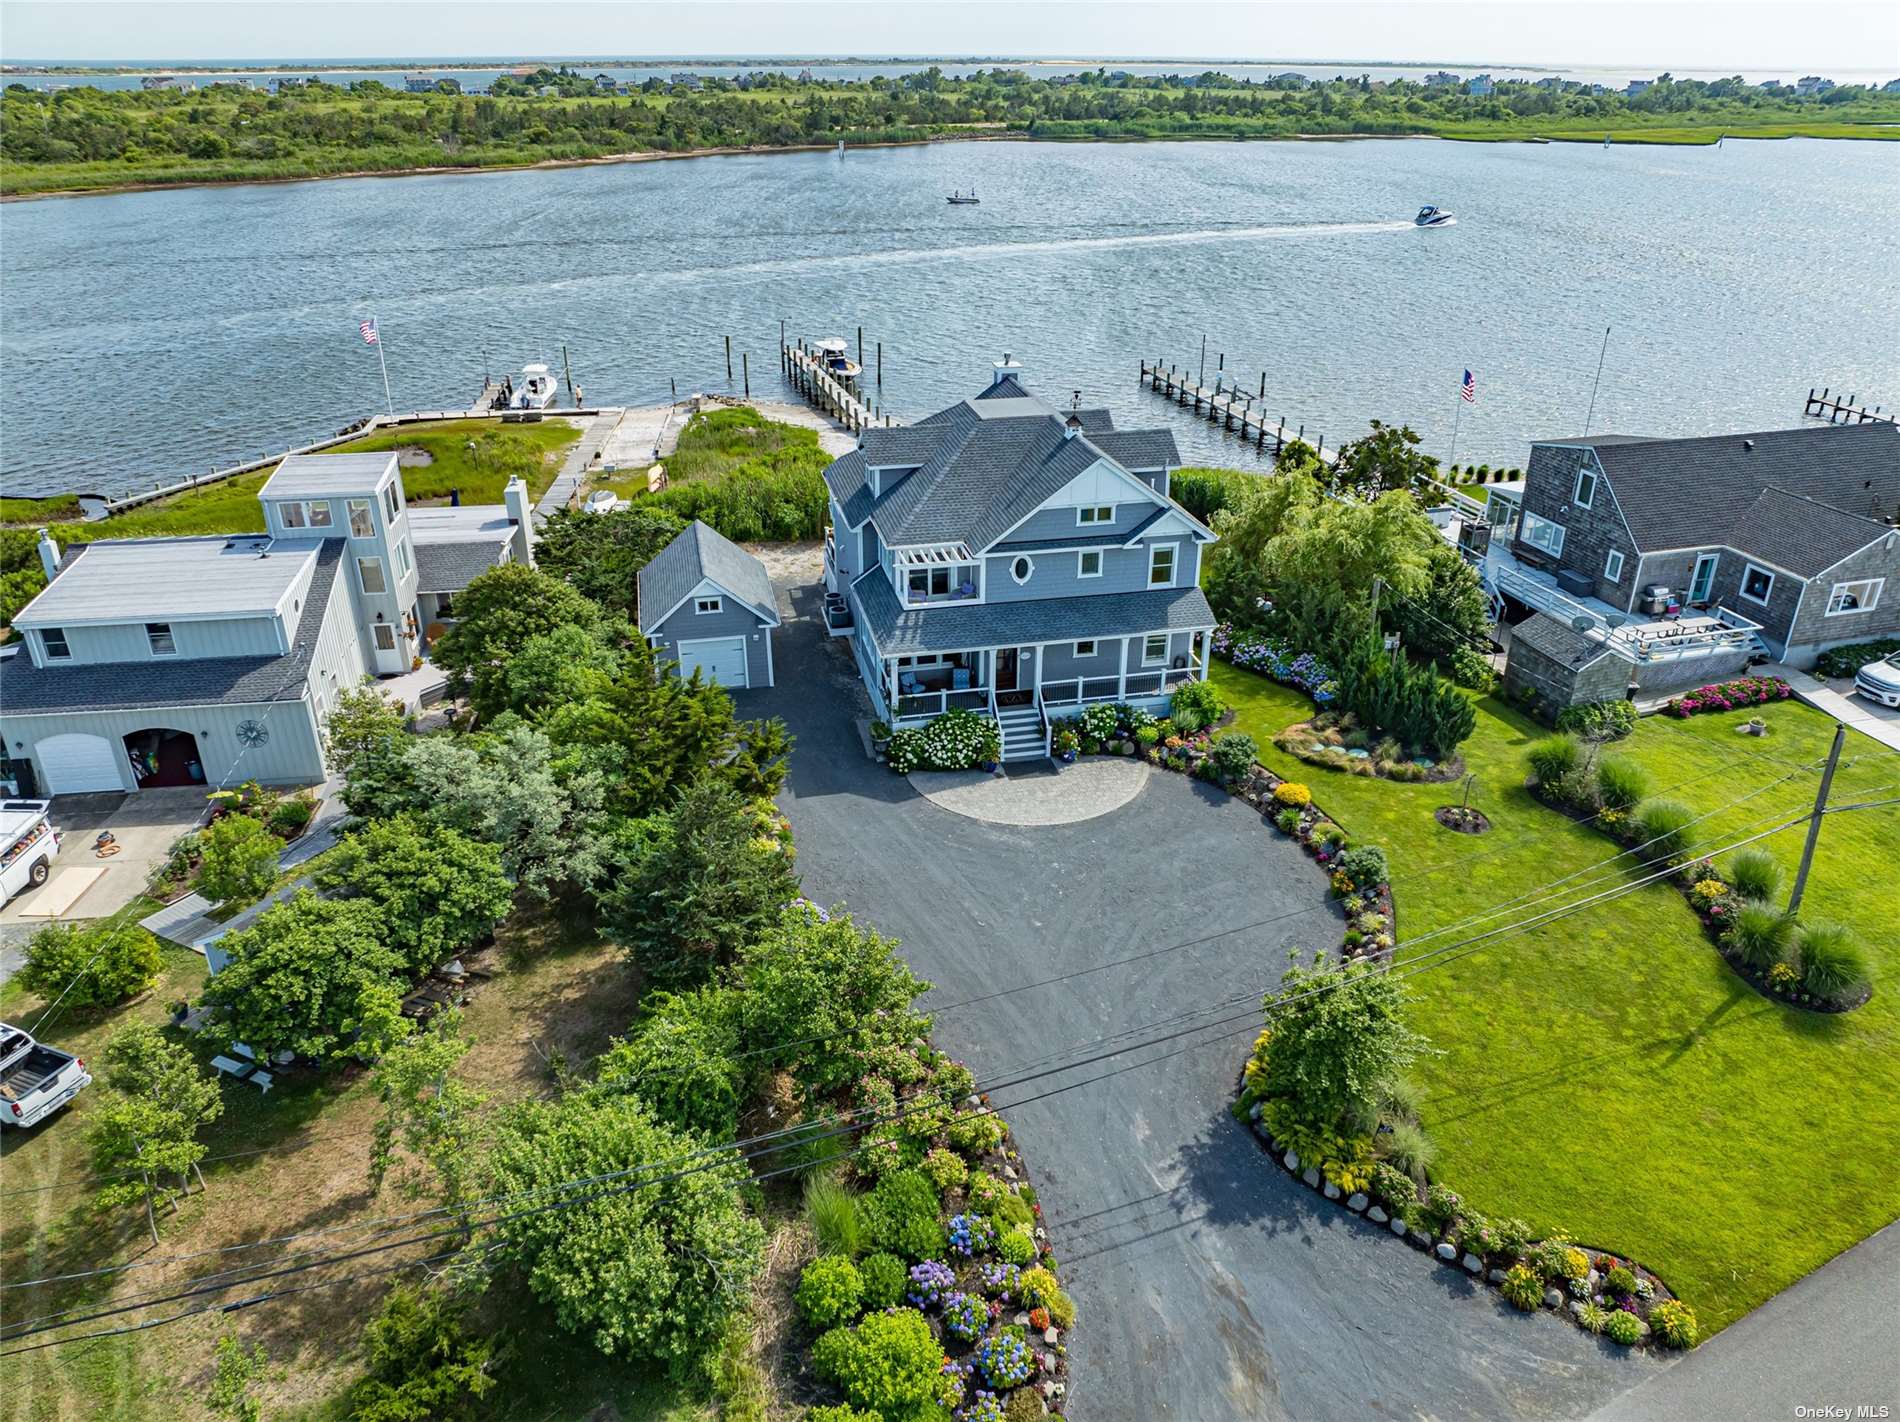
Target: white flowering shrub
(1099,723)
(959,739)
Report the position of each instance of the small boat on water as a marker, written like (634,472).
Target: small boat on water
(962,199)
(1429,216)
(535,390)
(837,364)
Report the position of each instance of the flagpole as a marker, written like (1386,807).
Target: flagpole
(383,361)
(1598,381)
(1456,416)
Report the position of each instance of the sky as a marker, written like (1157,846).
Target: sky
(1806,35)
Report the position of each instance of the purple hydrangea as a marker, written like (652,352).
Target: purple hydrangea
(930,1283)
(971,1234)
(1000,1278)
(965,1317)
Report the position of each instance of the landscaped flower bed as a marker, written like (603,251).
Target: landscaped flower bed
(1730,695)
(956,740)
(1815,966)
(1277,660)
(937,1288)
(1337,741)
(1601,1292)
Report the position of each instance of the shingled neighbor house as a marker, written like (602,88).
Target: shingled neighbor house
(1014,560)
(1666,563)
(175,661)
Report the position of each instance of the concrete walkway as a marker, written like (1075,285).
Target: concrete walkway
(1880,722)
(1831,1339)
(593,438)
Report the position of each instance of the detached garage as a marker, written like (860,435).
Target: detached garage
(707,605)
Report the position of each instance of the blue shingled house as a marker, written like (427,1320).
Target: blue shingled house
(1015,560)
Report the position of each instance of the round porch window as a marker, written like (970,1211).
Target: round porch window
(1021,569)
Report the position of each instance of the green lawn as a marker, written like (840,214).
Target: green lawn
(1607,1074)
(55,508)
(461,459)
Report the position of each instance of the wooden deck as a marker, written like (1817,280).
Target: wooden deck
(810,379)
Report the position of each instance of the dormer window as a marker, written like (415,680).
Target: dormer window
(1096,513)
(53,642)
(305,515)
(158,636)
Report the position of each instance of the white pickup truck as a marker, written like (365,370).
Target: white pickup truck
(28,843)
(35,1079)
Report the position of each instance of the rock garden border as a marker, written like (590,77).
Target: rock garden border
(1588,1286)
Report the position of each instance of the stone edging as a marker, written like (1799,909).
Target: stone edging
(1362,1203)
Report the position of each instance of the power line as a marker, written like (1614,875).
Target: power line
(1408,969)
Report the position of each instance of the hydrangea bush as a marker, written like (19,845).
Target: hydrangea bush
(931,1282)
(1278,660)
(1004,1359)
(1731,695)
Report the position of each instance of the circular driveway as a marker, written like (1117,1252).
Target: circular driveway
(1210,1285)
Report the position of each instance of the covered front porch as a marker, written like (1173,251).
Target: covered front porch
(1051,676)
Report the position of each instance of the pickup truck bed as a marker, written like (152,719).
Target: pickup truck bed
(31,1072)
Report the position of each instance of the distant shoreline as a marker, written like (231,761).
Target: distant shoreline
(1014,135)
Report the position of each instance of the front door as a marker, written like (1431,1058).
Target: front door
(1006,669)
(384,643)
(1703,583)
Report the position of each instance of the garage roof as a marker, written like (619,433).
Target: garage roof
(702,554)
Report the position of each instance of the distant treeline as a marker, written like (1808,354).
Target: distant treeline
(86,137)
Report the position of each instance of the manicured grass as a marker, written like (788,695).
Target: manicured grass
(534,450)
(53,509)
(1607,1074)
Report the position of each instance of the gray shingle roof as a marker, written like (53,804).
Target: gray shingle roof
(902,632)
(1801,534)
(1137,449)
(1557,640)
(212,681)
(450,567)
(701,553)
(1690,493)
(1008,388)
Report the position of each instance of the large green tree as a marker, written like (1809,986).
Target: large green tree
(1337,1034)
(239,859)
(312,976)
(683,1058)
(706,877)
(496,616)
(1448,621)
(601,555)
(146,1127)
(366,741)
(1383,461)
(430,1131)
(81,965)
(437,890)
(648,1264)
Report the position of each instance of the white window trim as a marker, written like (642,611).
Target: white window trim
(1576,494)
(1082,555)
(1715,566)
(367,507)
(1152,661)
(392,500)
(310,513)
(1155,555)
(1613,565)
(405,564)
(150,636)
(1089,514)
(1029,568)
(381,572)
(376,627)
(1093,649)
(1878,585)
(46,647)
(1741,588)
(1529,520)
(708,606)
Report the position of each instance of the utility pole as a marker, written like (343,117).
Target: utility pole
(1814,821)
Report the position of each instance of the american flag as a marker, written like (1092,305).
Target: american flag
(368,328)
(1469,390)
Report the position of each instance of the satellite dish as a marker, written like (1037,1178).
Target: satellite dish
(1583,622)
(1615,620)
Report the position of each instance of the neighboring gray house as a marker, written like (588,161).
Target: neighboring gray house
(214,660)
(1011,559)
(1788,534)
(708,605)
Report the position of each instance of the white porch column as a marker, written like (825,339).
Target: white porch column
(1121,667)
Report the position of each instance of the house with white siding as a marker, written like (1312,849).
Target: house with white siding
(148,662)
(1015,560)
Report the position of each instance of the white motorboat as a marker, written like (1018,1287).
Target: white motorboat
(1429,216)
(535,389)
(832,355)
(601,501)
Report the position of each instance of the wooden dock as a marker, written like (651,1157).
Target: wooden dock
(1836,411)
(810,379)
(1232,408)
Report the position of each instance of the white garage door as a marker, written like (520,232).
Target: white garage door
(72,764)
(719,659)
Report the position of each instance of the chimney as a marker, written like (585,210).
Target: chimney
(1072,426)
(1002,369)
(515,497)
(49,555)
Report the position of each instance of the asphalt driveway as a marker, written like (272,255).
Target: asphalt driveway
(1210,1285)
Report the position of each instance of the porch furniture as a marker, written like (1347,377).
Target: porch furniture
(244,1071)
(960,679)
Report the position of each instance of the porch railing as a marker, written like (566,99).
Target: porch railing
(1079,690)
(924,704)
